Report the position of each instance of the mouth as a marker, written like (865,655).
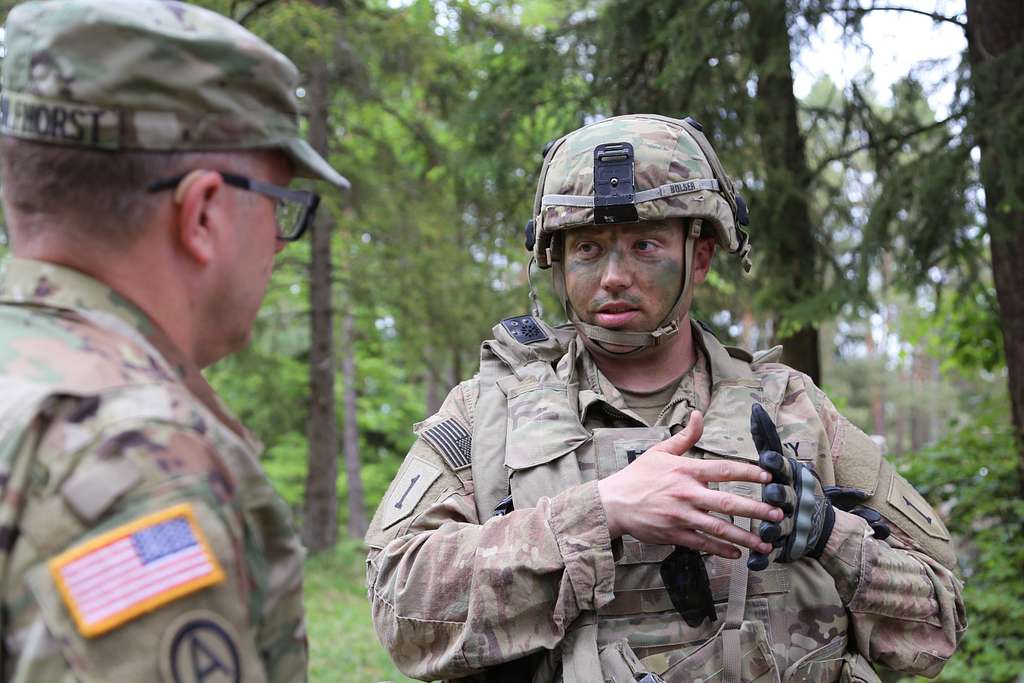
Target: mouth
(615,314)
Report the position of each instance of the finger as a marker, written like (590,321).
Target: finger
(766,436)
(736,506)
(845,497)
(781,496)
(712,546)
(757,562)
(774,463)
(677,444)
(715,527)
(726,470)
(769,532)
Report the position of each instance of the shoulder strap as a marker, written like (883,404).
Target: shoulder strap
(490,481)
(517,342)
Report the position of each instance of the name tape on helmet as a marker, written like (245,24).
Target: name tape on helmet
(661,192)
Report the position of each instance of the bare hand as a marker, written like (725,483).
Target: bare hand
(663,498)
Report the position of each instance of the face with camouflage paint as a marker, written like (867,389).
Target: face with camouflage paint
(624,277)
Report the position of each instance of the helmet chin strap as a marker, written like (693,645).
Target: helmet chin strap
(639,339)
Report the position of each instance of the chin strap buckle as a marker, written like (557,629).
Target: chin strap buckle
(666,332)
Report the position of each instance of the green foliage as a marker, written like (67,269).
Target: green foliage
(971,475)
(342,644)
(963,332)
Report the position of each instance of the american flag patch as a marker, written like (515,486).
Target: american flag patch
(452,441)
(134,569)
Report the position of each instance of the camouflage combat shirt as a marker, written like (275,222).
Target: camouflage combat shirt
(139,538)
(453,594)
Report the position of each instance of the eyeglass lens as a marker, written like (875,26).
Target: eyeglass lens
(289,217)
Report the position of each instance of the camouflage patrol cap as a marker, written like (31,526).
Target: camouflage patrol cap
(676,174)
(149,75)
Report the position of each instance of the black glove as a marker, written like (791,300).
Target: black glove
(796,489)
(848,499)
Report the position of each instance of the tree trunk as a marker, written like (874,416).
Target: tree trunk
(877,395)
(788,243)
(995,45)
(357,521)
(918,413)
(320,527)
(434,390)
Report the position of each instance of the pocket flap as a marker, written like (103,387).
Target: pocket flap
(541,426)
(727,420)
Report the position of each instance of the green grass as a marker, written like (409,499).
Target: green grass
(343,647)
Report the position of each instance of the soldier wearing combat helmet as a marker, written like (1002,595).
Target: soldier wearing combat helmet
(146,151)
(626,499)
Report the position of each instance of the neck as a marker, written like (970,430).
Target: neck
(652,368)
(137,275)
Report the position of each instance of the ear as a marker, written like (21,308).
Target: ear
(703,254)
(200,197)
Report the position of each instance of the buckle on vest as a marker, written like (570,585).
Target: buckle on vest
(504,506)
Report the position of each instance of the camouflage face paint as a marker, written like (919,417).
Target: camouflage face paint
(624,277)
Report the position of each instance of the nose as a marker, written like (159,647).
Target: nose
(279,246)
(617,274)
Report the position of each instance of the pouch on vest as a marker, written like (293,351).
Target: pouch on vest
(727,420)
(857,669)
(704,663)
(542,429)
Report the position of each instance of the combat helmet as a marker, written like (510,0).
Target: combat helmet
(639,167)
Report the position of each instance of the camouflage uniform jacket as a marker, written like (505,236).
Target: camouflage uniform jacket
(457,591)
(139,538)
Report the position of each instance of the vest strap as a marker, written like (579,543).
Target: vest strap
(732,651)
(490,480)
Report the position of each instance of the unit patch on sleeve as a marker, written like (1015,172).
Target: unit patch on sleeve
(200,647)
(407,490)
(452,441)
(134,569)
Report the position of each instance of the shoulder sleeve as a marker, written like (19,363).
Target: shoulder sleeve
(146,557)
(904,600)
(859,464)
(437,466)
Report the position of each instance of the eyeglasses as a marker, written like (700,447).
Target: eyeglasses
(294,209)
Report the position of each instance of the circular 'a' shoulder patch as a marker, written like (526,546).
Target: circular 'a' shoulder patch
(200,647)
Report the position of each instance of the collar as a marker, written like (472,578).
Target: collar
(40,283)
(694,390)
(27,282)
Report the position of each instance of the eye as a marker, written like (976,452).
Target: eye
(645,246)
(586,249)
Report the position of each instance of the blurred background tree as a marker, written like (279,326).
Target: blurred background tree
(887,223)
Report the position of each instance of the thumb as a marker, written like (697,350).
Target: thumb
(684,440)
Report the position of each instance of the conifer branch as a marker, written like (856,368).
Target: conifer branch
(935,16)
(873,142)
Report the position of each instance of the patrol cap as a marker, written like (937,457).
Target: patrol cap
(154,75)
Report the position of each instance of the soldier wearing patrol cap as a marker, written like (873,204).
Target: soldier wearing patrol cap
(626,499)
(146,150)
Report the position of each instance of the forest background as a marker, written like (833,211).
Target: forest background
(887,222)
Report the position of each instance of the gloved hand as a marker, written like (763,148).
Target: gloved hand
(796,489)
(848,499)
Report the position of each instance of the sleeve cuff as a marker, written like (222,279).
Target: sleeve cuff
(580,527)
(843,554)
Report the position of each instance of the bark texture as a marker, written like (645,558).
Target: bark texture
(793,253)
(320,524)
(357,520)
(995,40)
